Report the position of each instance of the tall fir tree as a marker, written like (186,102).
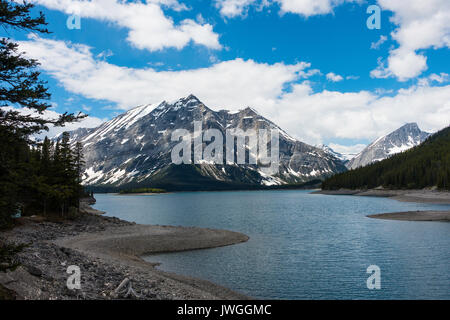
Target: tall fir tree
(25,173)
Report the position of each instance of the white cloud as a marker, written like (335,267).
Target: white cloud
(86,108)
(334,77)
(88,122)
(347,150)
(325,115)
(439,78)
(376,45)
(233,8)
(381,71)
(306,8)
(229,82)
(383,91)
(309,73)
(421,25)
(105,54)
(310,116)
(172,4)
(309,7)
(406,64)
(149,28)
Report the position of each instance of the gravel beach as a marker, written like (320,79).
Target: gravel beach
(414,216)
(420,196)
(107,251)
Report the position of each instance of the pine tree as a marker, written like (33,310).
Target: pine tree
(20,87)
(79,160)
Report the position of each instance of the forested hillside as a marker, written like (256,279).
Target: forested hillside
(42,179)
(423,166)
(35,177)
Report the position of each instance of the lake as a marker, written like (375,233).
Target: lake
(302,245)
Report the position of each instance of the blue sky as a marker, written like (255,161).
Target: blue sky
(311,68)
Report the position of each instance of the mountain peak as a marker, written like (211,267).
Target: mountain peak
(192,97)
(250,110)
(134,148)
(407,136)
(189,98)
(410,126)
(189,101)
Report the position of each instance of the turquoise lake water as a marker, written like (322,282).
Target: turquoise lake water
(302,245)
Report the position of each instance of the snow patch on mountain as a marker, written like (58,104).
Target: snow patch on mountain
(136,147)
(400,140)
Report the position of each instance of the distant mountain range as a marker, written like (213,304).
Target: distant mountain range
(344,157)
(400,140)
(426,165)
(134,149)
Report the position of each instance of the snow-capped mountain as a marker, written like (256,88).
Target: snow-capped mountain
(134,149)
(400,140)
(344,157)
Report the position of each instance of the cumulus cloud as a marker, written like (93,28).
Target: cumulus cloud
(310,7)
(442,77)
(439,78)
(376,45)
(233,8)
(314,117)
(331,76)
(306,8)
(105,54)
(381,71)
(229,82)
(149,28)
(421,25)
(352,150)
(88,122)
(406,64)
(310,116)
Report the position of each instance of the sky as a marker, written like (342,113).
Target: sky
(312,66)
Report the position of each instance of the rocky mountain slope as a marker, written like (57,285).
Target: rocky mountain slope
(344,157)
(400,140)
(424,166)
(134,149)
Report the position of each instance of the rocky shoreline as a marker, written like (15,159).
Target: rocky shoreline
(442,216)
(107,252)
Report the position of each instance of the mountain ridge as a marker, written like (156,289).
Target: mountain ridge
(424,166)
(407,136)
(134,148)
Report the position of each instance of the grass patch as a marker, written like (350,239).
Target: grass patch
(142,190)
